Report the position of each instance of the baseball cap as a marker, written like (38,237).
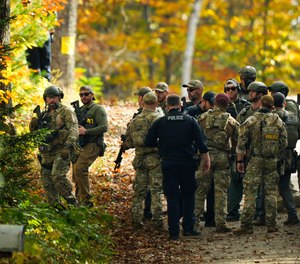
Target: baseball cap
(150,98)
(87,88)
(194,84)
(209,97)
(222,99)
(161,87)
(143,91)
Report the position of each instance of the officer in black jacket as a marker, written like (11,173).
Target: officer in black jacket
(175,134)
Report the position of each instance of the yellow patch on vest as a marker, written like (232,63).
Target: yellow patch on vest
(271,136)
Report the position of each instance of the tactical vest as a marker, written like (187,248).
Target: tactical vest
(269,136)
(215,130)
(292,125)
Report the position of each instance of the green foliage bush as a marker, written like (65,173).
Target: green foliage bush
(76,235)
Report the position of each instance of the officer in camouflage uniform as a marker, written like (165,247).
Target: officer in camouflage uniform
(236,105)
(221,132)
(162,90)
(292,106)
(194,90)
(146,164)
(266,135)
(247,76)
(55,156)
(288,158)
(91,130)
(256,91)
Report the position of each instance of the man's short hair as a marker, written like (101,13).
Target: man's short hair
(173,100)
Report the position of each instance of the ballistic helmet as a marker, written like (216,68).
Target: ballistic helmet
(259,87)
(279,86)
(52,91)
(248,72)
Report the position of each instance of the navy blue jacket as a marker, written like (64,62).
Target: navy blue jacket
(177,135)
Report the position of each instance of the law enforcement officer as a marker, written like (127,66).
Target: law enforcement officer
(288,158)
(91,131)
(206,103)
(221,132)
(267,136)
(147,164)
(175,134)
(55,156)
(236,105)
(162,90)
(247,76)
(235,190)
(194,89)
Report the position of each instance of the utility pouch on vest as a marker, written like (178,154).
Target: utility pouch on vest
(102,146)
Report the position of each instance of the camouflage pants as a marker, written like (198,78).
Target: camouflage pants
(81,171)
(146,178)
(53,173)
(260,170)
(219,172)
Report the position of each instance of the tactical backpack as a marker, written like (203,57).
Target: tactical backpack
(215,130)
(293,107)
(292,125)
(270,136)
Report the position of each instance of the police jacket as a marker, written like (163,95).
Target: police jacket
(175,134)
(95,122)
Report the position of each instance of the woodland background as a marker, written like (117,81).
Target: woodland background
(117,46)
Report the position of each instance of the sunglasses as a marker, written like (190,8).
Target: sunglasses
(191,90)
(84,94)
(231,88)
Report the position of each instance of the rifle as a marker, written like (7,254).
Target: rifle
(81,120)
(183,99)
(120,153)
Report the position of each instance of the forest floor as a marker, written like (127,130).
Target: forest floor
(113,189)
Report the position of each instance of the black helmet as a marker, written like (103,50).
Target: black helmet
(279,86)
(248,72)
(259,87)
(53,91)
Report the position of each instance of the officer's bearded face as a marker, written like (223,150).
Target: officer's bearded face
(52,102)
(86,96)
(161,96)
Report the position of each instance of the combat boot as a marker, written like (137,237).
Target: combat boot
(243,231)
(291,221)
(272,229)
(259,221)
(72,201)
(223,229)
(137,225)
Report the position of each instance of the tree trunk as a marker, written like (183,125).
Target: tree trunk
(63,47)
(4,38)
(189,51)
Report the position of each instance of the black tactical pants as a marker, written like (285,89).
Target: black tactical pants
(179,178)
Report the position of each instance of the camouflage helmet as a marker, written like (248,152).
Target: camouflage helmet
(52,91)
(248,72)
(259,87)
(279,86)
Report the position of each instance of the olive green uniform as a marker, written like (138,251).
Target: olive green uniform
(95,122)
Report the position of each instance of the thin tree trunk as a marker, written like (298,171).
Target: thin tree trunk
(189,51)
(63,47)
(4,37)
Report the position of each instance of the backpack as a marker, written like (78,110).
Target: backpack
(215,130)
(293,107)
(292,125)
(270,136)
